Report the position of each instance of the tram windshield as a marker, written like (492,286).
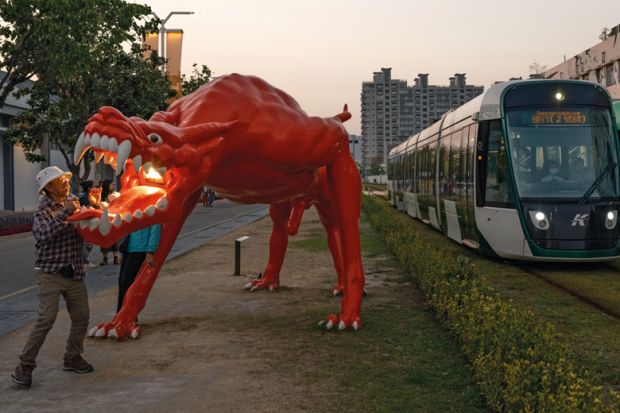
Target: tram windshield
(563,153)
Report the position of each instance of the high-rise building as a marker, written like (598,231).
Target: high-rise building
(392,111)
(430,102)
(387,115)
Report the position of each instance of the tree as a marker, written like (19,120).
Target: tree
(537,71)
(82,54)
(197,79)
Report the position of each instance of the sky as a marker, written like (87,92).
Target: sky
(320,51)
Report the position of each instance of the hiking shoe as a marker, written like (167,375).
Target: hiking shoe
(22,375)
(77,364)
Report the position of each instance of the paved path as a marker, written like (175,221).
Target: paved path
(18,293)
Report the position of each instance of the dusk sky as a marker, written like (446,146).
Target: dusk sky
(321,51)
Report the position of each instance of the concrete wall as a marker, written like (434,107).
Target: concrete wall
(26,196)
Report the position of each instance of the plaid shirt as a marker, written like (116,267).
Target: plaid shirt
(57,242)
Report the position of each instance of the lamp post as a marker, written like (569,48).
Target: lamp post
(162,34)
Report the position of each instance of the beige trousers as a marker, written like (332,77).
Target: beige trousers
(51,287)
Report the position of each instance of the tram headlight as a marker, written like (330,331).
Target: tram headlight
(539,219)
(611,219)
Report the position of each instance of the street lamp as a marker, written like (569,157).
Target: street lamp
(162,34)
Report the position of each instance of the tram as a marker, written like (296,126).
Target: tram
(527,171)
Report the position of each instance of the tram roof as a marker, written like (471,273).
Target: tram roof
(486,104)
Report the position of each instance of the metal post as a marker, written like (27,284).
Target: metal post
(238,254)
(162,34)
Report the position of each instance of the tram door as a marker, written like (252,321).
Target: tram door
(497,219)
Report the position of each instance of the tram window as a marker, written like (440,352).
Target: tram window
(581,147)
(497,185)
(444,157)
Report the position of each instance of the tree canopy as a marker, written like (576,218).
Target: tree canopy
(195,80)
(81,55)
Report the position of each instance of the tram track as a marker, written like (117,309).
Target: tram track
(540,274)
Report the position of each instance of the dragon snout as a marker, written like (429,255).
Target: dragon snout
(108,112)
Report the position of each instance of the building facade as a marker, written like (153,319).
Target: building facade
(355,146)
(600,63)
(18,189)
(392,111)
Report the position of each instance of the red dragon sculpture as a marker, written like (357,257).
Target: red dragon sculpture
(250,142)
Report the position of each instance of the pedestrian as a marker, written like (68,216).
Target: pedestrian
(138,248)
(204,196)
(60,271)
(108,188)
(211,196)
(84,198)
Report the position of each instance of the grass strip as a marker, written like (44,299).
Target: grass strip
(520,363)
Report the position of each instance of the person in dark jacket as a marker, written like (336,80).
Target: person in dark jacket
(137,249)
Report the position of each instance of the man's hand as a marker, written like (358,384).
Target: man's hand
(72,204)
(94,197)
(150,260)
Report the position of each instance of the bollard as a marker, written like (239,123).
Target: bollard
(238,254)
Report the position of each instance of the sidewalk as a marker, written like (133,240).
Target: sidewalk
(209,346)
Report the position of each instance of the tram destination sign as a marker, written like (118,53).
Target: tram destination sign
(558,118)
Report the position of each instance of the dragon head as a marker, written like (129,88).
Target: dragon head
(158,161)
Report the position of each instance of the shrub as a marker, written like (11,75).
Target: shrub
(519,362)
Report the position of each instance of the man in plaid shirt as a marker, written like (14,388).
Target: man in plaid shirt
(60,271)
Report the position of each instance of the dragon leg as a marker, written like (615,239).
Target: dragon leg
(328,218)
(278,242)
(123,324)
(345,184)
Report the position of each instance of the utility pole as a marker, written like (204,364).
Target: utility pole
(162,34)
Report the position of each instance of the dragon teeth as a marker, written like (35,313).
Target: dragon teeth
(162,203)
(113,145)
(93,223)
(137,213)
(117,220)
(95,139)
(104,225)
(124,150)
(137,163)
(150,211)
(103,143)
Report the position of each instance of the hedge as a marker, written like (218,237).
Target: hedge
(519,362)
(15,229)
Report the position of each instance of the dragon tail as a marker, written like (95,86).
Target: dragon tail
(345,115)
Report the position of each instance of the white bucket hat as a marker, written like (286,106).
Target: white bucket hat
(47,175)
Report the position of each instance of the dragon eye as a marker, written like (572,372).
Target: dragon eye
(155,139)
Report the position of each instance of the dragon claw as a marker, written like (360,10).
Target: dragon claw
(117,330)
(262,284)
(342,323)
(135,333)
